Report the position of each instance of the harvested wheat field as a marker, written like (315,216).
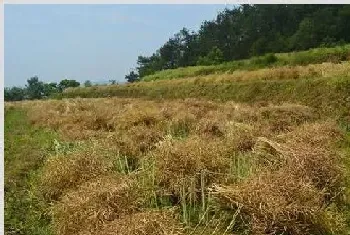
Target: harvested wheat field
(238,125)
(136,166)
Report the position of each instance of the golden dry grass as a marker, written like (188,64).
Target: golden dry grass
(65,171)
(279,203)
(273,166)
(94,203)
(152,222)
(180,161)
(292,198)
(78,119)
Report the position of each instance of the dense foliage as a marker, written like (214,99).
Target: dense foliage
(251,30)
(132,77)
(36,89)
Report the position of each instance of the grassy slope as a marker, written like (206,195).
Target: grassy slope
(25,149)
(312,56)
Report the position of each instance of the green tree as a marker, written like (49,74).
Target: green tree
(35,88)
(65,83)
(149,65)
(132,77)
(14,94)
(215,56)
(305,37)
(50,88)
(87,83)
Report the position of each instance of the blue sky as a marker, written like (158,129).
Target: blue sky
(89,42)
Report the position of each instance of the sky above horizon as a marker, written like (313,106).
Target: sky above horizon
(90,42)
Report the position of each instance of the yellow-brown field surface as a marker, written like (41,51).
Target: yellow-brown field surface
(191,166)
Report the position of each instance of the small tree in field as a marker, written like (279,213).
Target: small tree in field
(132,77)
(87,83)
(35,88)
(65,83)
(50,88)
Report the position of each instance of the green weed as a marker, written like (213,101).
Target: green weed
(25,151)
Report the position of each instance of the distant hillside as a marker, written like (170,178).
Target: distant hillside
(251,30)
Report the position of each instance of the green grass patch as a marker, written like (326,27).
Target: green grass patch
(25,150)
(344,149)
